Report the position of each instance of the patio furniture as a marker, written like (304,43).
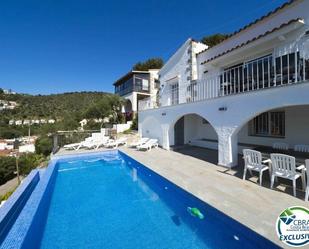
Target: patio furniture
(284,166)
(307,187)
(301,147)
(141,141)
(115,143)
(89,143)
(152,143)
(253,162)
(73,146)
(95,144)
(300,157)
(280,146)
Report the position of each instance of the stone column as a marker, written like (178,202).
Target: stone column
(227,146)
(165,137)
(140,131)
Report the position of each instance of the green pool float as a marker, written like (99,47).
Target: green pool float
(195,212)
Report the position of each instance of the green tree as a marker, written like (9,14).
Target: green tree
(44,145)
(110,107)
(7,168)
(152,63)
(29,161)
(214,39)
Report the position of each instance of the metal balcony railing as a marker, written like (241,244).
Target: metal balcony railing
(262,73)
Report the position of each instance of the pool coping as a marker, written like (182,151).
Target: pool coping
(12,207)
(16,236)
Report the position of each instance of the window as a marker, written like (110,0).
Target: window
(269,124)
(141,84)
(175,94)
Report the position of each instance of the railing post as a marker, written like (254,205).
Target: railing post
(296,61)
(55,143)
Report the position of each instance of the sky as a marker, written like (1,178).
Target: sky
(55,46)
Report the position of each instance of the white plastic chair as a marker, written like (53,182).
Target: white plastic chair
(280,146)
(284,166)
(301,147)
(253,161)
(307,188)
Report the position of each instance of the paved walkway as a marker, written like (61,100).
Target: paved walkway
(254,206)
(8,186)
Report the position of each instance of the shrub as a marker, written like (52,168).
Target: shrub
(28,162)
(7,195)
(7,168)
(44,145)
(134,125)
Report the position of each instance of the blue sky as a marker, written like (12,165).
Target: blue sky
(54,46)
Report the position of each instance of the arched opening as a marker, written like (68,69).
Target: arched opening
(287,125)
(194,135)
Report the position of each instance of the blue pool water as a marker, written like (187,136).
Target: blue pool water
(111,201)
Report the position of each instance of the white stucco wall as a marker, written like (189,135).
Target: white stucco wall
(177,69)
(239,110)
(298,9)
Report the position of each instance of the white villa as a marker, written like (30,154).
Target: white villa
(136,86)
(250,90)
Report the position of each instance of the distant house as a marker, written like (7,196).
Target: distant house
(6,145)
(8,91)
(27,122)
(98,120)
(3,145)
(18,122)
(26,148)
(83,122)
(4,104)
(136,86)
(51,121)
(43,121)
(11,122)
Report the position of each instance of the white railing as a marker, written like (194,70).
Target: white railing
(265,72)
(146,104)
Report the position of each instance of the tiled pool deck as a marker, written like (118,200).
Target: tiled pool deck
(254,206)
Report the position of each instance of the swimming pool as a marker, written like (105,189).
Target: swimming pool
(109,200)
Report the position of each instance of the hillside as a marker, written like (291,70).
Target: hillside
(67,109)
(55,106)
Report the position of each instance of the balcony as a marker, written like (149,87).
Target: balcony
(262,73)
(147,103)
(133,82)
